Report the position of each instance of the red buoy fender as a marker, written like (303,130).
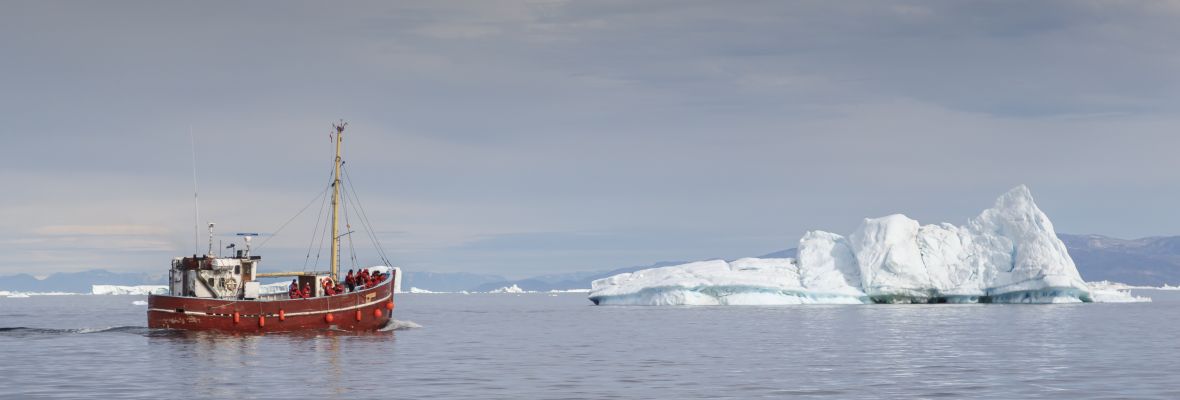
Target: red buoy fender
(389,305)
(237,317)
(377,312)
(358,315)
(329,318)
(282,315)
(261,320)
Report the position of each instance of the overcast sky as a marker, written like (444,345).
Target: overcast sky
(522,138)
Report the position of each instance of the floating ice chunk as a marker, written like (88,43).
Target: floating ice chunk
(1114,292)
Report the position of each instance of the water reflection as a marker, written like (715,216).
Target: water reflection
(228,365)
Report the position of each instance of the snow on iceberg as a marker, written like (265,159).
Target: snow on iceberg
(1008,254)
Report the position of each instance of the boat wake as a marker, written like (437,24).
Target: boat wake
(395,325)
(21,331)
(30,332)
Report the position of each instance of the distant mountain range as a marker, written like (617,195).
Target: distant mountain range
(78,282)
(576,280)
(446,282)
(1151,261)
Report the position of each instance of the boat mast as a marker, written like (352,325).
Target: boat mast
(336,202)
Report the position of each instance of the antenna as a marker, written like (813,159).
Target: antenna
(211,239)
(196,203)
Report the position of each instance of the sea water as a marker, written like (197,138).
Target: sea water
(560,346)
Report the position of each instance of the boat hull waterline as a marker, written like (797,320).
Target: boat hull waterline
(364,310)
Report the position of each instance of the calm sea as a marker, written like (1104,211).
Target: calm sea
(559,346)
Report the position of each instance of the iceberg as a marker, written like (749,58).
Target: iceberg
(23,295)
(1009,253)
(141,290)
(508,289)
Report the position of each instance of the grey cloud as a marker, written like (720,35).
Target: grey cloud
(666,126)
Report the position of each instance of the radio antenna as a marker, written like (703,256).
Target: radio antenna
(196,203)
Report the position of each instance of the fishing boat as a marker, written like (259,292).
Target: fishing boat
(224,293)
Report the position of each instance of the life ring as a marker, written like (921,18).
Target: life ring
(231,284)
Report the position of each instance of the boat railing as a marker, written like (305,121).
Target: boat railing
(287,296)
(274,296)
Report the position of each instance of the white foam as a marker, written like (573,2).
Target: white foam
(395,325)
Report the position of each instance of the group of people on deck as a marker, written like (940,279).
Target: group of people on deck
(362,280)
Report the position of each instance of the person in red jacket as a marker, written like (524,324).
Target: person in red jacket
(306,290)
(350,281)
(326,285)
(293,290)
(363,279)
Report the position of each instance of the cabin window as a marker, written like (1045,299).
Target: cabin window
(237,269)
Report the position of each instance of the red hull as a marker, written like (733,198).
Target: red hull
(189,313)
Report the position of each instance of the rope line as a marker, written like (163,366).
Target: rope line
(276,232)
(365,221)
